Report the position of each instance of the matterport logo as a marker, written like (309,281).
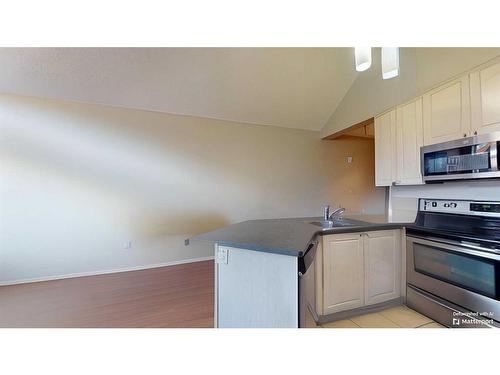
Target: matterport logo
(472,318)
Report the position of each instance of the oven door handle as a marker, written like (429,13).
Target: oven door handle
(455,248)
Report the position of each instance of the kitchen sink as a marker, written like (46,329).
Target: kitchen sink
(337,224)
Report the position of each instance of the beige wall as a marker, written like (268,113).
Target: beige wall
(77,181)
(420,69)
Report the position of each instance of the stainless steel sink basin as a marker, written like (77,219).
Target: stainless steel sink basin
(336,224)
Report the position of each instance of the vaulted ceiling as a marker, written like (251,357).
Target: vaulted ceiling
(289,87)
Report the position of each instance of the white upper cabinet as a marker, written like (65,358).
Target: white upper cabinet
(462,107)
(446,112)
(409,139)
(385,148)
(485,99)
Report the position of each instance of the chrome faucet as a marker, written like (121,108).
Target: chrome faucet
(337,214)
(334,216)
(326,213)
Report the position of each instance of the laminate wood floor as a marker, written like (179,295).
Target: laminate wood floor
(179,296)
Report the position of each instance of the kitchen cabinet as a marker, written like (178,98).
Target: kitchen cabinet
(398,138)
(342,272)
(409,139)
(382,265)
(463,107)
(353,270)
(446,112)
(485,99)
(385,148)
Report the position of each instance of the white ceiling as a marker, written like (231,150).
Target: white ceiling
(290,87)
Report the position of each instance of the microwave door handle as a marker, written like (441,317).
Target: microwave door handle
(494,156)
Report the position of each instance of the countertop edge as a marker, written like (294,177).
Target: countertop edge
(369,227)
(362,228)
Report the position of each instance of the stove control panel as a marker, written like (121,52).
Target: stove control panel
(461,207)
(485,207)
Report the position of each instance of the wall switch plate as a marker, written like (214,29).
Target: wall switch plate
(127,245)
(222,255)
(349,159)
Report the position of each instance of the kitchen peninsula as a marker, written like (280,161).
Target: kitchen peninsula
(273,272)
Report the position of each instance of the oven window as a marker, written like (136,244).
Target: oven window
(458,160)
(468,272)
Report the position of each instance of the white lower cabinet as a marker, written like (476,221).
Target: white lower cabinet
(382,258)
(342,268)
(358,269)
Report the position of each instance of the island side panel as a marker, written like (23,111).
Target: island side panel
(216,281)
(256,289)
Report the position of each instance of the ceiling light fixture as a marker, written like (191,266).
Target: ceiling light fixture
(390,62)
(363,58)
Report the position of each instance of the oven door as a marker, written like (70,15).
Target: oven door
(466,276)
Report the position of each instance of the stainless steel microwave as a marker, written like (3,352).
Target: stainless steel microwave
(463,159)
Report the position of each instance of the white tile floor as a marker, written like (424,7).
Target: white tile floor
(396,317)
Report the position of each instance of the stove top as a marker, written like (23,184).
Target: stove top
(460,220)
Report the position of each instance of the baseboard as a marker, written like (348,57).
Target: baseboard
(104,272)
(347,314)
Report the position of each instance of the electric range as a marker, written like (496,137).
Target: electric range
(453,262)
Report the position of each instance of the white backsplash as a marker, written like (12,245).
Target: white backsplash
(404,199)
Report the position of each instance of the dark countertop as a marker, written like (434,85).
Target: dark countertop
(287,236)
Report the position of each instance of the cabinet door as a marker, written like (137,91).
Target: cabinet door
(382,252)
(342,272)
(409,136)
(485,99)
(385,148)
(447,112)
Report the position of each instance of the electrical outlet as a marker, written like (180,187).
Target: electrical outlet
(127,245)
(222,255)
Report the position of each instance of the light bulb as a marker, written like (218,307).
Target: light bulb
(390,62)
(363,57)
